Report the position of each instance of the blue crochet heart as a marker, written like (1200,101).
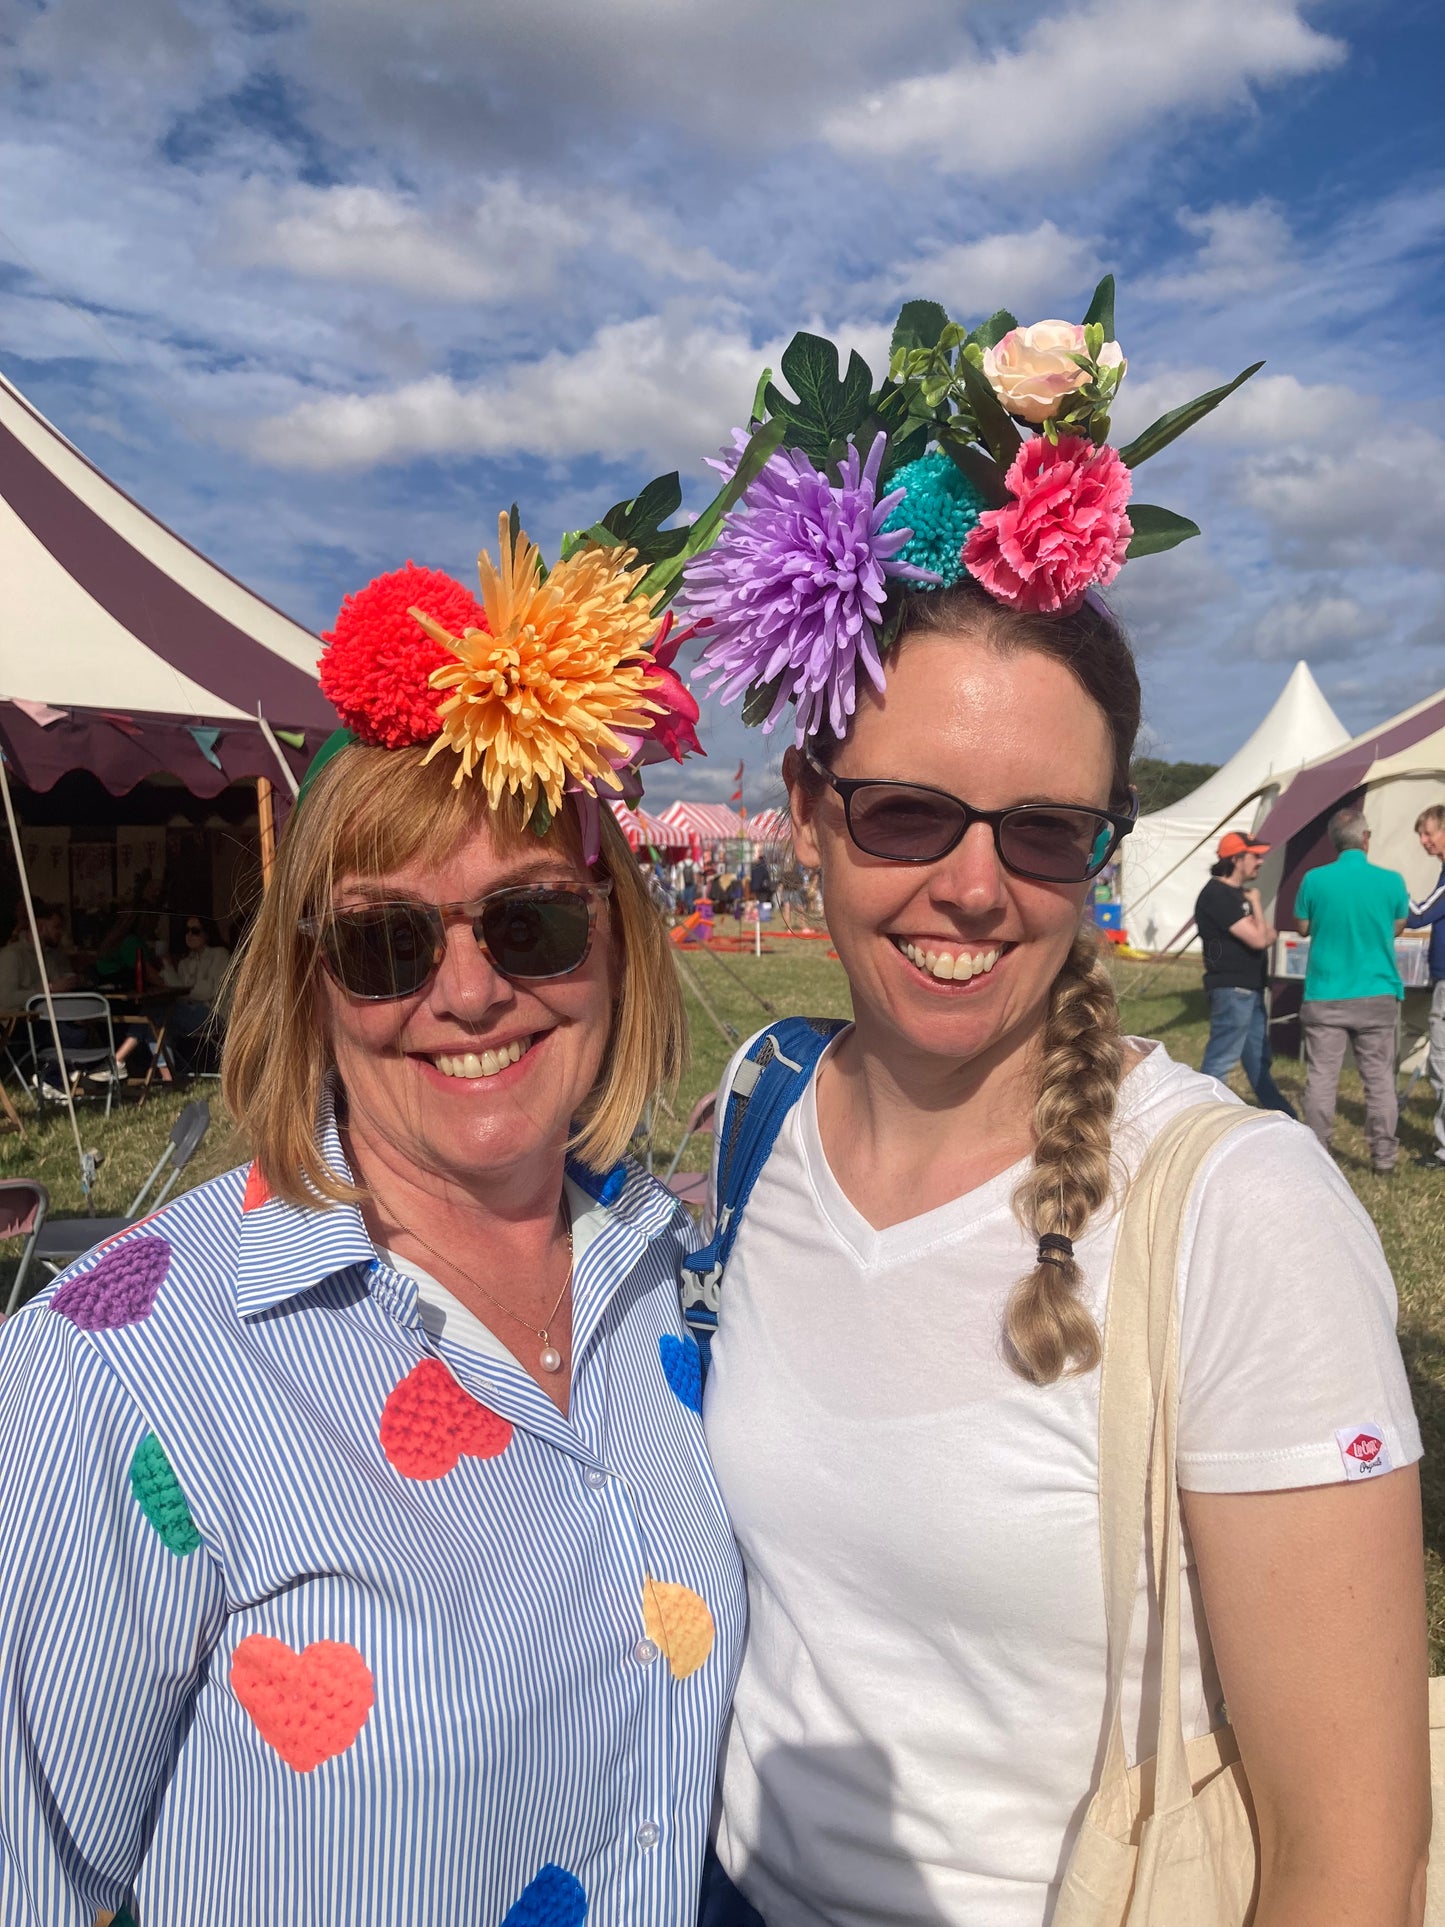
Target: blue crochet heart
(682,1367)
(553,1899)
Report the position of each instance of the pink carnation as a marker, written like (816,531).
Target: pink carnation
(1065,530)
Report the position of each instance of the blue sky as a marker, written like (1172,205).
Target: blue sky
(326,284)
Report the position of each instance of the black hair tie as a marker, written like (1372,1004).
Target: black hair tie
(1055,1249)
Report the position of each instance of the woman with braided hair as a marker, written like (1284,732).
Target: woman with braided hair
(903,1398)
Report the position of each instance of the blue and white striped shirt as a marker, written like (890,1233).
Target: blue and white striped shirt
(308,1617)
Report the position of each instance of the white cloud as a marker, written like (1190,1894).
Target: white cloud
(1379,500)
(1246,250)
(507,246)
(1321,626)
(1082,81)
(665,386)
(1027,272)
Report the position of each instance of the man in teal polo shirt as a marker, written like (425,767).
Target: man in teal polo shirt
(1352,911)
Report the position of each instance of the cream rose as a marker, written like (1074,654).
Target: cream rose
(1031,370)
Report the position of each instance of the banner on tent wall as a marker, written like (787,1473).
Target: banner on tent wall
(140,850)
(92,876)
(47,862)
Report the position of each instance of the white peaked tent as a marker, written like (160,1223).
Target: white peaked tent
(1165,863)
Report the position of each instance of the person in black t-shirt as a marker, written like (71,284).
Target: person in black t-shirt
(1235,936)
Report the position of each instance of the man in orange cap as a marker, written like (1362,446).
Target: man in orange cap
(1235,936)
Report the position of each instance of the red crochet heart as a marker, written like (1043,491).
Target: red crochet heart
(257,1192)
(428,1422)
(309,1706)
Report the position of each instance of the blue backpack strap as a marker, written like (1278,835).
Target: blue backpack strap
(766,1085)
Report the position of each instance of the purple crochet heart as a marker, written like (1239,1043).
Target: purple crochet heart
(120,1290)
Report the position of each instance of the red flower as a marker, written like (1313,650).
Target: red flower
(674,729)
(1065,530)
(378,658)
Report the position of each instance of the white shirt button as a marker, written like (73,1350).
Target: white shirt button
(648,1834)
(644,1652)
(594,1478)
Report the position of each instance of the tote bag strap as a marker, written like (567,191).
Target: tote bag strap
(1138,1422)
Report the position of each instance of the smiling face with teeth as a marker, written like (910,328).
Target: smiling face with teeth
(475,1079)
(954,960)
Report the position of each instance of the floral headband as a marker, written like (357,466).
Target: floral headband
(557,681)
(985,453)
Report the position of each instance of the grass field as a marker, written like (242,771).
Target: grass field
(725,993)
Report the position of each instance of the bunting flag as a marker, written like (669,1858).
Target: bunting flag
(737,795)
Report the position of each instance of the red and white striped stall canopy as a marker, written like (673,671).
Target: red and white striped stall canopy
(717,823)
(644,832)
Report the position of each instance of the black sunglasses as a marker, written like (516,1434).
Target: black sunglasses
(380,951)
(914,823)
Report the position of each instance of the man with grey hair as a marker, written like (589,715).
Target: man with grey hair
(1428,913)
(1351,910)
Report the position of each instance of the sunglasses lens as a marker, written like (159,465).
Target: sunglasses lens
(1058,846)
(906,824)
(388,951)
(537,933)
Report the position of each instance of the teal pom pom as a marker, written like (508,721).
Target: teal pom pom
(159,1496)
(942,508)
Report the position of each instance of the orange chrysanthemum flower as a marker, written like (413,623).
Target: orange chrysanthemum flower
(564,667)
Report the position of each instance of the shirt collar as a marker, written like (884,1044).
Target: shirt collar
(286,1248)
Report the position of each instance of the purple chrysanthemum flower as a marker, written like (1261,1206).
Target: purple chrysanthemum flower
(793,587)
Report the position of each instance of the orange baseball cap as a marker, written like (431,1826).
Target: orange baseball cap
(1233,844)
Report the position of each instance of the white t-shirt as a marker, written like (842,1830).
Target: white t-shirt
(921,1709)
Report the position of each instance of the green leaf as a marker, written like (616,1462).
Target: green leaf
(1157,529)
(1169,427)
(828,408)
(540,821)
(756,414)
(989,412)
(977,467)
(1101,308)
(892,622)
(762,446)
(646,512)
(919,325)
(901,450)
(990,333)
(758,703)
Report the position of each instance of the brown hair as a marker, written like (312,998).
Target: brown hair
(1047,1331)
(371,811)
(1432,817)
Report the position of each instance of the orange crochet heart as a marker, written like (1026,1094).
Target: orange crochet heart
(428,1422)
(257,1192)
(309,1706)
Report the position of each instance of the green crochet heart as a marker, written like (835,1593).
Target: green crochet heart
(159,1496)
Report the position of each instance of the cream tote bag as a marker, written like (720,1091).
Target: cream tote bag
(1170,1843)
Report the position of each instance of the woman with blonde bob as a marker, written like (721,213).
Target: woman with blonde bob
(366,1564)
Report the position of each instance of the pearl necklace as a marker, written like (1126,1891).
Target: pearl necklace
(550,1359)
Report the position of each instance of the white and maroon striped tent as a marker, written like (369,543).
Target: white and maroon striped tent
(122,650)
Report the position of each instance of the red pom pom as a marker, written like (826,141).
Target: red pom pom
(378,658)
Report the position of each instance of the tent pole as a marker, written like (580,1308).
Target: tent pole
(268,828)
(45,981)
(286,769)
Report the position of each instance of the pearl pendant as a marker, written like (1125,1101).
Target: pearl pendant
(551,1359)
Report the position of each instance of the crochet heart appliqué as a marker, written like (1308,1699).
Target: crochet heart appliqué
(307,1706)
(677,1619)
(553,1898)
(120,1290)
(429,1422)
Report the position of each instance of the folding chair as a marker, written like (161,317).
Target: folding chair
(692,1188)
(23,1206)
(71,1007)
(62,1240)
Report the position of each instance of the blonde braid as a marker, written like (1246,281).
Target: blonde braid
(1046,1329)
